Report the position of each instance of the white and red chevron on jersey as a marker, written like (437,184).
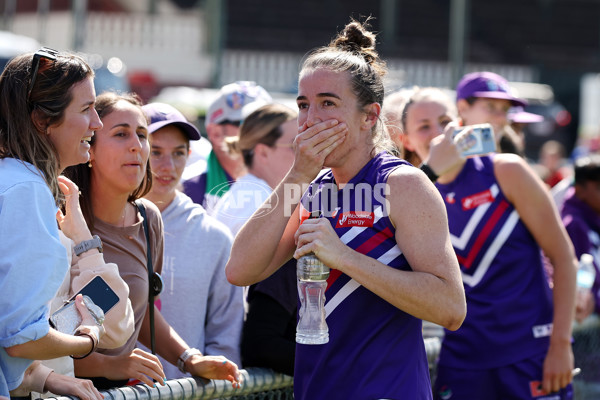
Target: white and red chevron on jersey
(508,297)
(375,350)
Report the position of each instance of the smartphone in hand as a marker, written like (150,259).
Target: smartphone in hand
(478,142)
(101,294)
(96,294)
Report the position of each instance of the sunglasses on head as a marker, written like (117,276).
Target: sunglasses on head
(44,53)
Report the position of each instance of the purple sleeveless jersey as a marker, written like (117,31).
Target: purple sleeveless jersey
(375,350)
(509,303)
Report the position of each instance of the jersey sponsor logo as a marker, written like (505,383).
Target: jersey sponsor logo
(450,198)
(540,331)
(355,218)
(477,199)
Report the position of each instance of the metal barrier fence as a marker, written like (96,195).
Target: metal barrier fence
(586,349)
(262,383)
(259,383)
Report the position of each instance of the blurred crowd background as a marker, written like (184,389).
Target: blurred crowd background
(179,51)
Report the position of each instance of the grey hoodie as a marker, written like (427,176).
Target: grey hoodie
(197,300)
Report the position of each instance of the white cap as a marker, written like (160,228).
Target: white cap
(236,101)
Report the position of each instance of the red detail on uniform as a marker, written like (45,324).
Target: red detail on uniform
(535,387)
(477,199)
(364,248)
(333,275)
(361,219)
(467,262)
(375,241)
(450,199)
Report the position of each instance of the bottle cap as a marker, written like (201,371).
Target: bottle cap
(586,258)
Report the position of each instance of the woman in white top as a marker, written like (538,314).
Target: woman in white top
(265,142)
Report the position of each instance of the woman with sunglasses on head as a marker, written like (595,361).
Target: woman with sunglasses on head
(47,118)
(117,175)
(383,232)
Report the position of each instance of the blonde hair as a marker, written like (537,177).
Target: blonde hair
(392,114)
(426,94)
(262,126)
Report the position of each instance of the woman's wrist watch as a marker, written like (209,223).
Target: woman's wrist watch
(93,243)
(184,357)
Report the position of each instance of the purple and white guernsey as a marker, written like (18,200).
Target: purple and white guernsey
(375,350)
(509,302)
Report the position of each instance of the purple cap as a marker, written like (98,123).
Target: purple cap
(162,114)
(488,85)
(520,116)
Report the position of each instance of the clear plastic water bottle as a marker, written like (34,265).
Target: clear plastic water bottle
(586,272)
(312,281)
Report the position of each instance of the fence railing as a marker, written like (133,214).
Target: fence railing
(262,383)
(258,383)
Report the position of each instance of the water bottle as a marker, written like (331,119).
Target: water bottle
(586,273)
(312,281)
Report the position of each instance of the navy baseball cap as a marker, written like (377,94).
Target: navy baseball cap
(162,114)
(488,85)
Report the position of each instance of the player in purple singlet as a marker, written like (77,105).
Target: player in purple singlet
(383,232)
(515,342)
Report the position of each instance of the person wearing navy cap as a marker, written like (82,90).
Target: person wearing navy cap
(197,301)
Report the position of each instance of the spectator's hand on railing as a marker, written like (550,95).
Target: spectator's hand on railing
(70,386)
(214,367)
(139,365)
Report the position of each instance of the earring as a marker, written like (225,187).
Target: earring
(89,164)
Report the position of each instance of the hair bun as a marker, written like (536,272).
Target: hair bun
(357,39)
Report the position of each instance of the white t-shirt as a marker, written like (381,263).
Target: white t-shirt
(196,163)
(244,197)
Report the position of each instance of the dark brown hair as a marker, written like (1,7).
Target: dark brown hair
(353,51)
(81,174)
(50,95)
